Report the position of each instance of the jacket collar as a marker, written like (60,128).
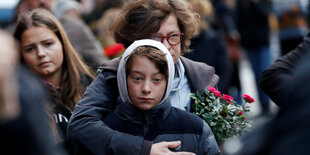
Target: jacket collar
(131,113)
(110,65)
(201,76)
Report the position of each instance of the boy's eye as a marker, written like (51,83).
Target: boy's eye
(157,80)
(137,78)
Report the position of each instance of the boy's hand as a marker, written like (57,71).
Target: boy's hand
(162,148)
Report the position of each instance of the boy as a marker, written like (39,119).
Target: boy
(145,75)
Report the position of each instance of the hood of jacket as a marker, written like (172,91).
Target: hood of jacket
(200,75)
(121,71)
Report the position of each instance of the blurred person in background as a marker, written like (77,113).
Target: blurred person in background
(292,22)
(253,26)
(286,81)
(46,50)
(209,47)
(24,125)
(103,27)
(68,8)
(224,23)
(100,6)
(79,34)
(101,20)
(171,22)
(20,7)
(277,80)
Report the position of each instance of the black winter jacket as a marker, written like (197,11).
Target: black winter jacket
(276,81)
(162,123)
(88,134)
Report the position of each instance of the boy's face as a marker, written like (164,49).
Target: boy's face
(146,85)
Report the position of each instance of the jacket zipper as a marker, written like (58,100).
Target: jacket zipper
(146,126)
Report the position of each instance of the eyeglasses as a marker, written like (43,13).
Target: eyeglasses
(173,39)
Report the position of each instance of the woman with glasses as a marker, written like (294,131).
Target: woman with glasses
(171,22)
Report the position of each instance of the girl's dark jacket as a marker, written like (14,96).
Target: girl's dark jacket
(88,134)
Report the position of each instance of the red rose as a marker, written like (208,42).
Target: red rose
(227,98)
(217,93)
(240,112)
(248,98)
(212,89)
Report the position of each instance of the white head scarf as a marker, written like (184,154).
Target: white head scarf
(121,71)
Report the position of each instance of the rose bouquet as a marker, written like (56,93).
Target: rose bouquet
(225,117)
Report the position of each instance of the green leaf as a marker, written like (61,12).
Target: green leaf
(192,95)
(210,109)
(207,116)
(213,123)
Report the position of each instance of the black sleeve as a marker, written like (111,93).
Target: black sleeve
(29,133)
(87,132)
(277,79)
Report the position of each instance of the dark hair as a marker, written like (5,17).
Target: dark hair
(153,54)
(141,18)
(72,66)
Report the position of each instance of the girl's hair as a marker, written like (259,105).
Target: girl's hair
(139,19)
(72,66)
(151,53)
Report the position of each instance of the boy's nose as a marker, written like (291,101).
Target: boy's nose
(146,88)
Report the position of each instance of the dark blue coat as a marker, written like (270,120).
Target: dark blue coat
(88,134)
